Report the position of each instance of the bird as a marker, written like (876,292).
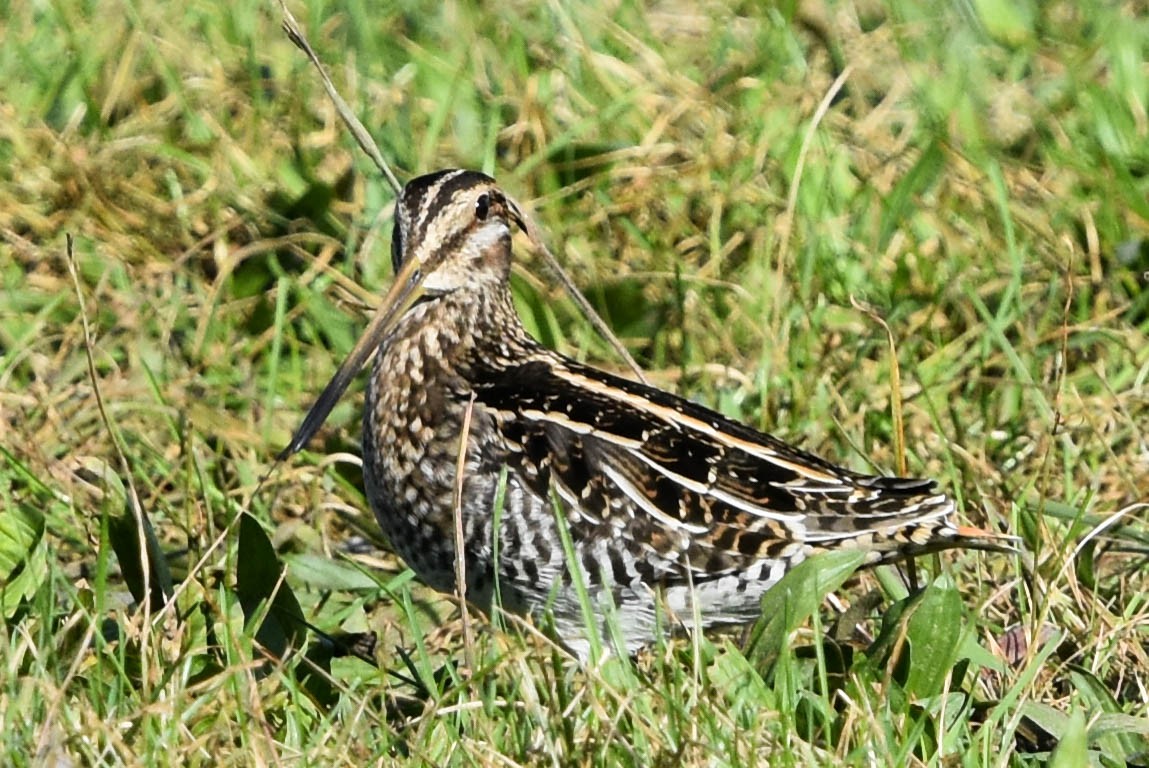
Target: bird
(668,508)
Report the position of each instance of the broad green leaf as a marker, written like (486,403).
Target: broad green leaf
(1071,750)
(925,632)
(1124,725)
(978,655)
(326,573)
(260,582)
(934,631)
(793,599)
(20,530)
(1093,691)
(739,681)
(124,534)
(1046,717)
(1118,743)
(23,563)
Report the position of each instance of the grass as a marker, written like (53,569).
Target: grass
(980,182)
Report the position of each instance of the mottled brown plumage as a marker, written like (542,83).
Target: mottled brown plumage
(664,499)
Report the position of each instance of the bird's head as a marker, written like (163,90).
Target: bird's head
(452,233)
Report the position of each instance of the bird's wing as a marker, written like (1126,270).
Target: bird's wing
(685,484)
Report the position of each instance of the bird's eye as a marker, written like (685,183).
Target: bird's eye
(482,207)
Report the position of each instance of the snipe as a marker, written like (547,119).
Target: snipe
(662,497)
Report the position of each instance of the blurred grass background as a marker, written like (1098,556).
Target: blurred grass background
(979,181)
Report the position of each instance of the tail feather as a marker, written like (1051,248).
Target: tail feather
(969,537)
(897,484)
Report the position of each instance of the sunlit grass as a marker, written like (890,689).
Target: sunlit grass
(979,181)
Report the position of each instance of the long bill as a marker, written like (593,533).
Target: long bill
(404,292)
